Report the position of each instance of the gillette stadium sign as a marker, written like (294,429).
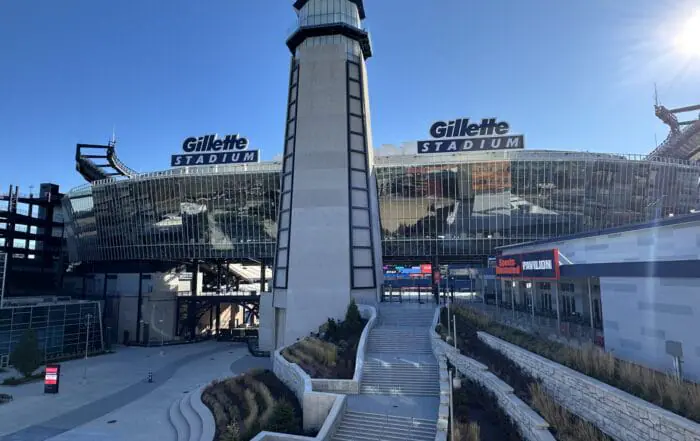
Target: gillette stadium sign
(210,150)
(464,135)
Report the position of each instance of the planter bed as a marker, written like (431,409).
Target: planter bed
(250,403)
(478,417)
(682,398)
(564,425)
(331,353)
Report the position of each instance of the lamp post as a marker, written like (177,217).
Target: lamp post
(87,342)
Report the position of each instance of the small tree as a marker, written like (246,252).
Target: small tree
(353,319)
(26,357)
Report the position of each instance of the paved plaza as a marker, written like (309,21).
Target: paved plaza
(108,397)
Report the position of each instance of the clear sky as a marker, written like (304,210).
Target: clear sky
(570,75)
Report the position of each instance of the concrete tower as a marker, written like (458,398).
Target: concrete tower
(328,240)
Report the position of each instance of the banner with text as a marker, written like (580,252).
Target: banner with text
(535,265)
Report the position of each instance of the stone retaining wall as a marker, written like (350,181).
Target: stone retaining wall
(531,425)
(620,415)
(444,409)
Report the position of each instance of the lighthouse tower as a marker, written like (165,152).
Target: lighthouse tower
(328,239)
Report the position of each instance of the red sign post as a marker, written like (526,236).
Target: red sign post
(52,378)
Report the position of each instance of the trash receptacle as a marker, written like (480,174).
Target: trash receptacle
(126,337)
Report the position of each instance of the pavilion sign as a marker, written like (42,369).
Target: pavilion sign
(536,265)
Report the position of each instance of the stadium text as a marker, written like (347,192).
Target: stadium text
(214,158)
(472,144)
(210,143)
(461,128)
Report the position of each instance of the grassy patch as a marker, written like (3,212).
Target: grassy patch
(564,425)
(680,397)
(256,401)
(16,381)
(331,353)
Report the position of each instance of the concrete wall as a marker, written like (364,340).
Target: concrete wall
(641,314)
(617,413)
(316,406)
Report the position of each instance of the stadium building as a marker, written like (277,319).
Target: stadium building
(149,239)
(187,251)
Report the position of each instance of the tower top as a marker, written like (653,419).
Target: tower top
(298,4)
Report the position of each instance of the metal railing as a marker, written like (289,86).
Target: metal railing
(570,330)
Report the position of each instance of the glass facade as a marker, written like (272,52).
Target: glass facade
(324,12)
(62,329)
(454,205)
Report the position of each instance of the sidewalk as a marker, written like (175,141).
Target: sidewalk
(112,381)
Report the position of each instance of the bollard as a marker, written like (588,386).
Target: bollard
(150,376)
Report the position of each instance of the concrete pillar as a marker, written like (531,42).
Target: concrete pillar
(590,303)
(218,317)
(262,276)
(329,216)
(555,294)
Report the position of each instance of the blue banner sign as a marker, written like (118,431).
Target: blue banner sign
(535,265)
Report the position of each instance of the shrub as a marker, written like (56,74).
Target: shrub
(353,319)
(5,398)
(233,428)
(26,356)
(283,419)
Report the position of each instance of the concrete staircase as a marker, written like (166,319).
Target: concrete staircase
(190,419)
(395,315)
(399,339)
(400,377)
(360,426)
(399,357)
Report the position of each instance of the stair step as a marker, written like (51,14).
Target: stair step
(381,424)
(178,421)
(382,434)
(392,418)
(190,417)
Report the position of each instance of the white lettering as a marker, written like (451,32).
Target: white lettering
(452,147)
(248,156)
(200,160)
(438,145)
(235,156)
(178,160)
(212,159)
(189,159)
(537,265)
(468,145)
(425,147)
(495,143)
(513,142)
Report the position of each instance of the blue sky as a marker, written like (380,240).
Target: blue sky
(570,75)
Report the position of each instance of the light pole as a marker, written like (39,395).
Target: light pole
(87,341)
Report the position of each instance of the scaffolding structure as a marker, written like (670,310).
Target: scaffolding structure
(64,329)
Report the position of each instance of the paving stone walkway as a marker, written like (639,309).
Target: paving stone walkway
(116,402)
